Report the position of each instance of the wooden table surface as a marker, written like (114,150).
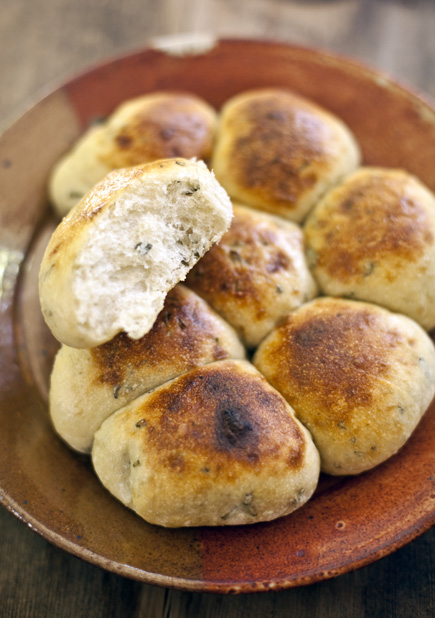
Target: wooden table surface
(44,42)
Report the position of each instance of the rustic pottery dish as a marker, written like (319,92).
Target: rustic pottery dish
(350,522)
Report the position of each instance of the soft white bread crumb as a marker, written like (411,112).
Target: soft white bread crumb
(112,260)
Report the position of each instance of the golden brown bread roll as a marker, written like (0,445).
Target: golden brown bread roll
(160,125)
(373,238)
(87,386)
(256,274)
(279,152)
(112,260)
(358,377)
(184,440)
(217,446)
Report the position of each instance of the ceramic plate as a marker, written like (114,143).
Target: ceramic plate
(350,522)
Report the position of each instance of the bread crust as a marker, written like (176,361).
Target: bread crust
(372,238)
(280,152)
(159,125)
(87,386)
(217,446)
(256,274)
(358,377)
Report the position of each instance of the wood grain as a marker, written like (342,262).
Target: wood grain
(37,579)
(47,41)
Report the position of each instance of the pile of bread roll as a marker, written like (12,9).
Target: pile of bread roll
(296,344)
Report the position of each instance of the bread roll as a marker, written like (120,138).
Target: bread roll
(160,125)
(373,238)
(217,446)
(87,386)
(112,260)
(256,274)
(358,377)
(280,152)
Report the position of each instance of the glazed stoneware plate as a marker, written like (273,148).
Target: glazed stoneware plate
(349,522)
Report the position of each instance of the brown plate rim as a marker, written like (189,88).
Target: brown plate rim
(420,525)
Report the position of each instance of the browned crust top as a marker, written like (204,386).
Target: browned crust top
(241,268)
(221,413)
(172,126)
(370,218)
(328,356)
(281,146)
(184,332)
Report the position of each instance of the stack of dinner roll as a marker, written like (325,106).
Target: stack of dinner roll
(219,400)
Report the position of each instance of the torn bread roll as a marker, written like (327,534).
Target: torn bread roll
(217,446)
(279,152)
(110,262)
(87,386)
(358,377)
(372,238)
(159,125)
(256,274)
